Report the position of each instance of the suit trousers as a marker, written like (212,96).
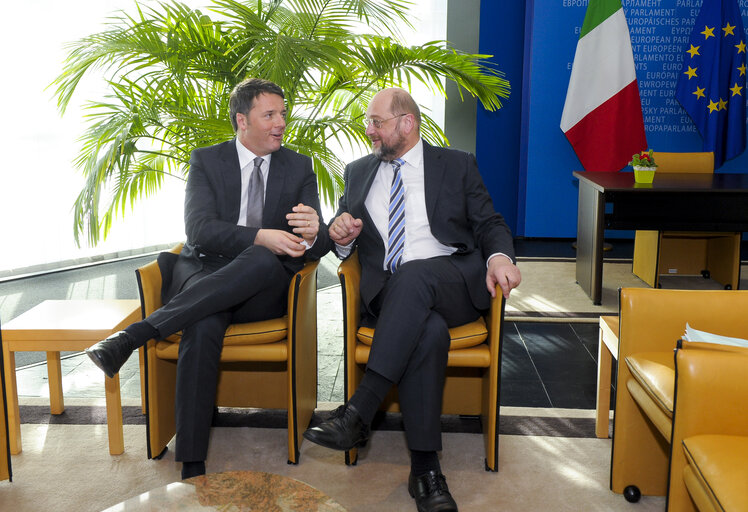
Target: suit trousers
(251,287)
(416,308)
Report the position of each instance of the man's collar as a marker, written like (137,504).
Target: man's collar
(414,156)
(246,156)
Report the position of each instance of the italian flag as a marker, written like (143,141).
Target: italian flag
(602,115)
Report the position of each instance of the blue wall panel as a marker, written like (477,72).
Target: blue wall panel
(524,157)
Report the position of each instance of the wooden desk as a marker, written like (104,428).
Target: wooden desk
(58,325)
(674,202)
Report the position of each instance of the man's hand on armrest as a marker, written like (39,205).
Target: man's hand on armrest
(503,272)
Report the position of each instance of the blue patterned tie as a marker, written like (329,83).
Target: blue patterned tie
(396,224)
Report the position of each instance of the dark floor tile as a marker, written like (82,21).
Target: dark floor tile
(523,393)
(515,361)
(572,395)
(552,340)
(589,336)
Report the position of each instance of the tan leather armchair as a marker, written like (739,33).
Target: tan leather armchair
(708,470)
(5,469)
(651,323)
(270,364)
(473,366)
(711,254)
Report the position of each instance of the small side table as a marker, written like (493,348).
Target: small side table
(607,350)
(59,325)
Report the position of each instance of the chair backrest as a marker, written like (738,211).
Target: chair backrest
(701,162)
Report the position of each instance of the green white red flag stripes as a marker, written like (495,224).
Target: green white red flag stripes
(602,115)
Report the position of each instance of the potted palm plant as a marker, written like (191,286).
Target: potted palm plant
(169,70)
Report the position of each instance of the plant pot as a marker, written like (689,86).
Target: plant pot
(644,174)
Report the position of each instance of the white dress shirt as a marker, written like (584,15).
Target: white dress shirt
(419,242)
(247,164)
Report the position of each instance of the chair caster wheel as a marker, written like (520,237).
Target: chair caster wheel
(632,493)
(706,274)
(728,287)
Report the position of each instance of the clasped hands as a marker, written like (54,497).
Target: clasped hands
(305,223)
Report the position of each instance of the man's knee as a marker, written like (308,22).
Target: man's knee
(435,334)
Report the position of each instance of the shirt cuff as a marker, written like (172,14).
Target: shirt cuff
(343,251)
(307,244)
(498,254)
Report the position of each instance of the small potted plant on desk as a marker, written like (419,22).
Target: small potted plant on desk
(644,166)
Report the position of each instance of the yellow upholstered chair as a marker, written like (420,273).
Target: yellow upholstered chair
(708,469)
(270,364)
(5,469)
(651,323)
(713,254)
(473,367)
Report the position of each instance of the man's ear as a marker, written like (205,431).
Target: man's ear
(409,122)
(241,121)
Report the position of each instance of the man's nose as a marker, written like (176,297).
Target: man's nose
(369,129)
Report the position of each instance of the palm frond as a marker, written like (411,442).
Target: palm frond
(169,70)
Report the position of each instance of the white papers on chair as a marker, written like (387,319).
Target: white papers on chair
(696,335)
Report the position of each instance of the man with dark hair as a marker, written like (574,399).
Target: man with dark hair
(252,217)
(432,251)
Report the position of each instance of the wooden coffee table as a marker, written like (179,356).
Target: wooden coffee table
(59,325)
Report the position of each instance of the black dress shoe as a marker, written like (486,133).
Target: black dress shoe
(431,492)
(344,430)
(110,354)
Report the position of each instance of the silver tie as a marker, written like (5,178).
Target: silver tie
(256,196)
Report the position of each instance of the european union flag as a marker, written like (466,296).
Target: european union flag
(712,85)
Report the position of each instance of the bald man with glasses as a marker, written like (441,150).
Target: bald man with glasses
(432,251)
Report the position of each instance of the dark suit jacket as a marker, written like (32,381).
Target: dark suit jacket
(213,200)
(460,213)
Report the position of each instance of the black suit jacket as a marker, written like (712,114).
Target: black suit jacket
(213,200)
(460,213)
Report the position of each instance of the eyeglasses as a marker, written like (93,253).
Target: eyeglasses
(379,122)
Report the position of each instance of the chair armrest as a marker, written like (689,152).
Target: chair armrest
(711,390)
(495,316)
(349,273)
(149,285)
(302,298)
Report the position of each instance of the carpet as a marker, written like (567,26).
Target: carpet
(68,468)
(549,291)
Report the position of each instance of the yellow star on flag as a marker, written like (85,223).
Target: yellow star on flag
(699,92)
(742,69)
(708,32)
(729,29)
(736,90)
(694,50)
(722,104)
(740,47)
(691,72)
(712,106)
